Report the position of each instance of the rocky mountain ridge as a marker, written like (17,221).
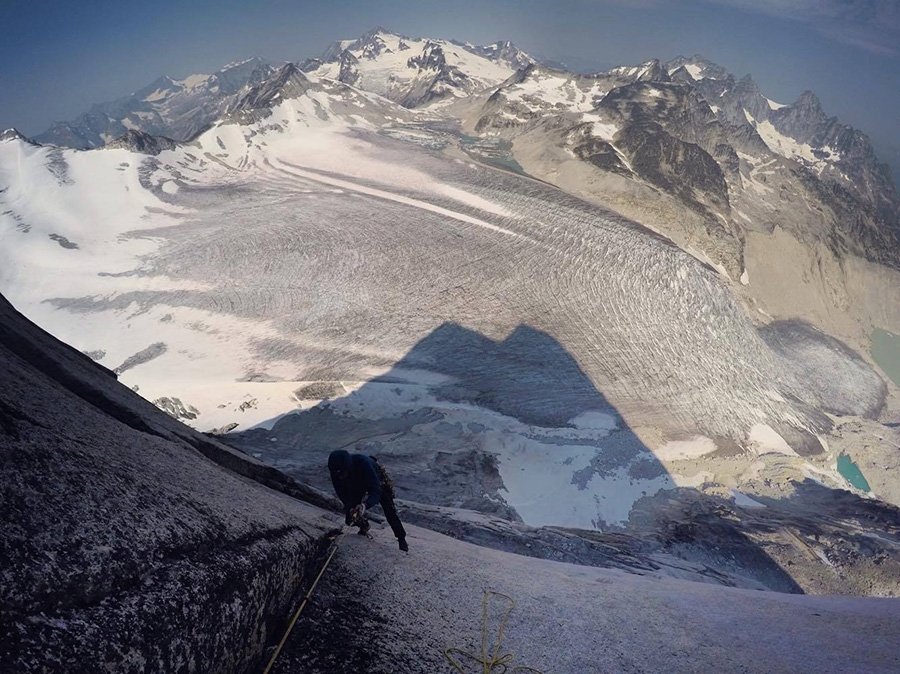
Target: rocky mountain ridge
(717,145)
(416,72)
(175,108)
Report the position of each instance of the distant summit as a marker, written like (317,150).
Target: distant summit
(14,134)
(697,67)
(285,83)
(417,71)
(175,108)
(728,153)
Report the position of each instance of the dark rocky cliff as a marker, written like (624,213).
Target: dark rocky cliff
(123,547)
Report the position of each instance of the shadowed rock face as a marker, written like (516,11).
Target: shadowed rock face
(138,141)
(683,169)
(287,82)
(121,544)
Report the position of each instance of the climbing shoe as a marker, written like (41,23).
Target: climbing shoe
(403,546)
(364,527)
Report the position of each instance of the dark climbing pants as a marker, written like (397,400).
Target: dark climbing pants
(387,504)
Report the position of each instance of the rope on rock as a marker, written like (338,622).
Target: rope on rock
(306,597)
(495,663)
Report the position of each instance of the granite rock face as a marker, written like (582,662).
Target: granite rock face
(123,547)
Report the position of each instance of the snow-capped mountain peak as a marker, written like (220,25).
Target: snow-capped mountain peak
(503,52)
(287,82)
(12,134)
(166,106)
(697,67)
(416,71)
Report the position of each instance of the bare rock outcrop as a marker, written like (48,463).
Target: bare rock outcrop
(123,547)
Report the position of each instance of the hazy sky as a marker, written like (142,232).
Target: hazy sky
(59,57)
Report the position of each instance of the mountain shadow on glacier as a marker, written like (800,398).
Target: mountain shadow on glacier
(528,375)
(448,391)
(456,421)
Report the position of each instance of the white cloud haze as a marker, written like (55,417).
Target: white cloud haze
(873,25)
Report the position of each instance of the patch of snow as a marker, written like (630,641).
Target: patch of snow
(192,81)
(764,439)
(744,501)
(593,420)
(541,483)
(235,64)
(790,148)
(694,70)
(541,91)
(158,95)
(745,278)
(604,131)
(677,450)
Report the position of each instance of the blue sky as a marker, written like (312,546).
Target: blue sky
(59,57)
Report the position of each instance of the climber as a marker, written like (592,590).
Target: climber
(361,482)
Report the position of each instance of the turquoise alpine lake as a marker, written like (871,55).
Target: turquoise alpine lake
(886,352)
(852,473)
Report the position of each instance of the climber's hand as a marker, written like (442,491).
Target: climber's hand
(357,513)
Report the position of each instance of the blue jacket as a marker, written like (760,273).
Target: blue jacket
(360,475)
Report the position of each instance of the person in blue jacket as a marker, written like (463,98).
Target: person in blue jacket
(357,476)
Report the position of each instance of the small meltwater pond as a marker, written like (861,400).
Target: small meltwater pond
(852,473)
(886,352)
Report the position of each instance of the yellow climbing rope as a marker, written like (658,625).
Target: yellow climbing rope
(495,663)
(302,605)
